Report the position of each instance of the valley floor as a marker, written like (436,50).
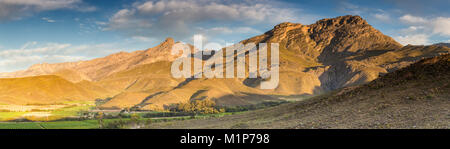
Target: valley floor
(411,104)
(80,124)
(109,123)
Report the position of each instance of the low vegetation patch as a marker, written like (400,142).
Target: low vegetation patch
(196,107)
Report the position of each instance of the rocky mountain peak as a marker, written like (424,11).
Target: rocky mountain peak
(286,25)
(162,47)
(338,37)
(348,34)
(168,41)
(342,20)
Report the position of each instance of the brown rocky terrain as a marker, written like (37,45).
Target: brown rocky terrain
(443,44)
(416,96)
(314,59)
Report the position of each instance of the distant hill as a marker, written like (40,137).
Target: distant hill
(96,69)
(46,89)
(413,97)
(314,59)
(443,44)
(110,76)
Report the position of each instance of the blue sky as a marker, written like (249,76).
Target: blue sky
(37,31)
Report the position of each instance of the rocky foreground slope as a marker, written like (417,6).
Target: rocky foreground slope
(314,59)
(413,97)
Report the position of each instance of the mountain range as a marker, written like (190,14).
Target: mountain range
(314,59)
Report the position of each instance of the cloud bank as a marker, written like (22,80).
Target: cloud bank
(421,29)
(17,9)
(186,18)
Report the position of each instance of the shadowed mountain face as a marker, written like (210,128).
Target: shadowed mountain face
(324,56)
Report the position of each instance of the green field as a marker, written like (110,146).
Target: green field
(85,124)
(94,124)
(88,124)
(70,109)
(144,117)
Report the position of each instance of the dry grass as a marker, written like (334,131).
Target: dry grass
(414,97)
(42,90)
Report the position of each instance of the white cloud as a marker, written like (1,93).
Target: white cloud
(126,19)
(412,29)
(438,25)
(143,39)
(48,20)
(223,30)
(420,29)
(369,13)
(416,39)
(441,25)
(382,16)
(184,18)
(29,49)
(89,25)
(228,30)
(350,8)
(412,19)
(216,10)
(17,9)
